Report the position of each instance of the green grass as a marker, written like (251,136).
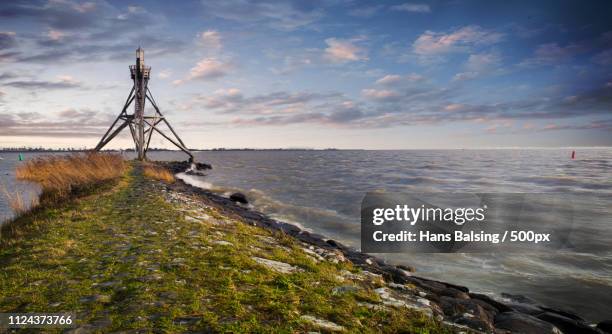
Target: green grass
(154,268)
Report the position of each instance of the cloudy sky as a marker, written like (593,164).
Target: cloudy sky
(312,74)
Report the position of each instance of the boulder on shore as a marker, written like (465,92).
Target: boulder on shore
(567,325)
(239,197)
(523,323)
(203,166)
(605,326)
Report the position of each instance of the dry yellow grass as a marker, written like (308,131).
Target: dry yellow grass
(59,176)
(158,173)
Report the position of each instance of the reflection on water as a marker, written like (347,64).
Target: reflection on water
(322,191)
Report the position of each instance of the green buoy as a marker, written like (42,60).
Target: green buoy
(20,157)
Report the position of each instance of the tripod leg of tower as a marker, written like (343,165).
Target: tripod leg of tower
(180,143)
(149,131)
(182,148)
(122,115)
(115,133)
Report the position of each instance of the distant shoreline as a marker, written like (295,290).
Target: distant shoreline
(34,150)
(70,150)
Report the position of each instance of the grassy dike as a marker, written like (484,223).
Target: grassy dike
(137,256)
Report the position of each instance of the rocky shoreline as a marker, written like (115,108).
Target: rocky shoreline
(453,304)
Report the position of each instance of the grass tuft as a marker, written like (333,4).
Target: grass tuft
(158,173)
(60,176)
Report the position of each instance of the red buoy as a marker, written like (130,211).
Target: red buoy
(573,155)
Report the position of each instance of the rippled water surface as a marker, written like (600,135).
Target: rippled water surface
(322,191)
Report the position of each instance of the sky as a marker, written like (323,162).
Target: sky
(312,74)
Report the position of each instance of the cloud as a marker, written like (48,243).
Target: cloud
(232,100)
(412,7)
(84,31)
(603,58)
(56,14)
(335,111)
(85,7)
(7,39)
(292,63)
(165,74)
(343,50)
(8,75)
(380,94)
(431,106)
(460,40)
(8,56)
(207,69)
(478,65)
(482,62)
(389,79)
(604,125)
(464,76)
(55,35)
(453,107)
(553,54)
(210,39)
(71,123)
(282,15)
(368,11)
(63,82)
(32,115)
(394,79)
(75,114)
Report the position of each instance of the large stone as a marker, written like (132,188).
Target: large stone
(523,323)
(567,325)
(396,274)
(526,308)
(605,326)
(518,298)
(468,312)
(407,268)
(202,165)
(288,228)
(474,323)
(564,313)
(452,292)
(312,238)
(388,299)
(336,244)
(187,320)
(322,324)
(239,197)
(344,289)
(280,267)
(501,307)
(428,285)
(104,299)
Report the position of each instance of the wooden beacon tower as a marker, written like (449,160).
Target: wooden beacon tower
(141,126)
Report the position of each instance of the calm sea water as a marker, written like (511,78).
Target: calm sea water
(322,191)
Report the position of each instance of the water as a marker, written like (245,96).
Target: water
(8,182)
(322,191)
